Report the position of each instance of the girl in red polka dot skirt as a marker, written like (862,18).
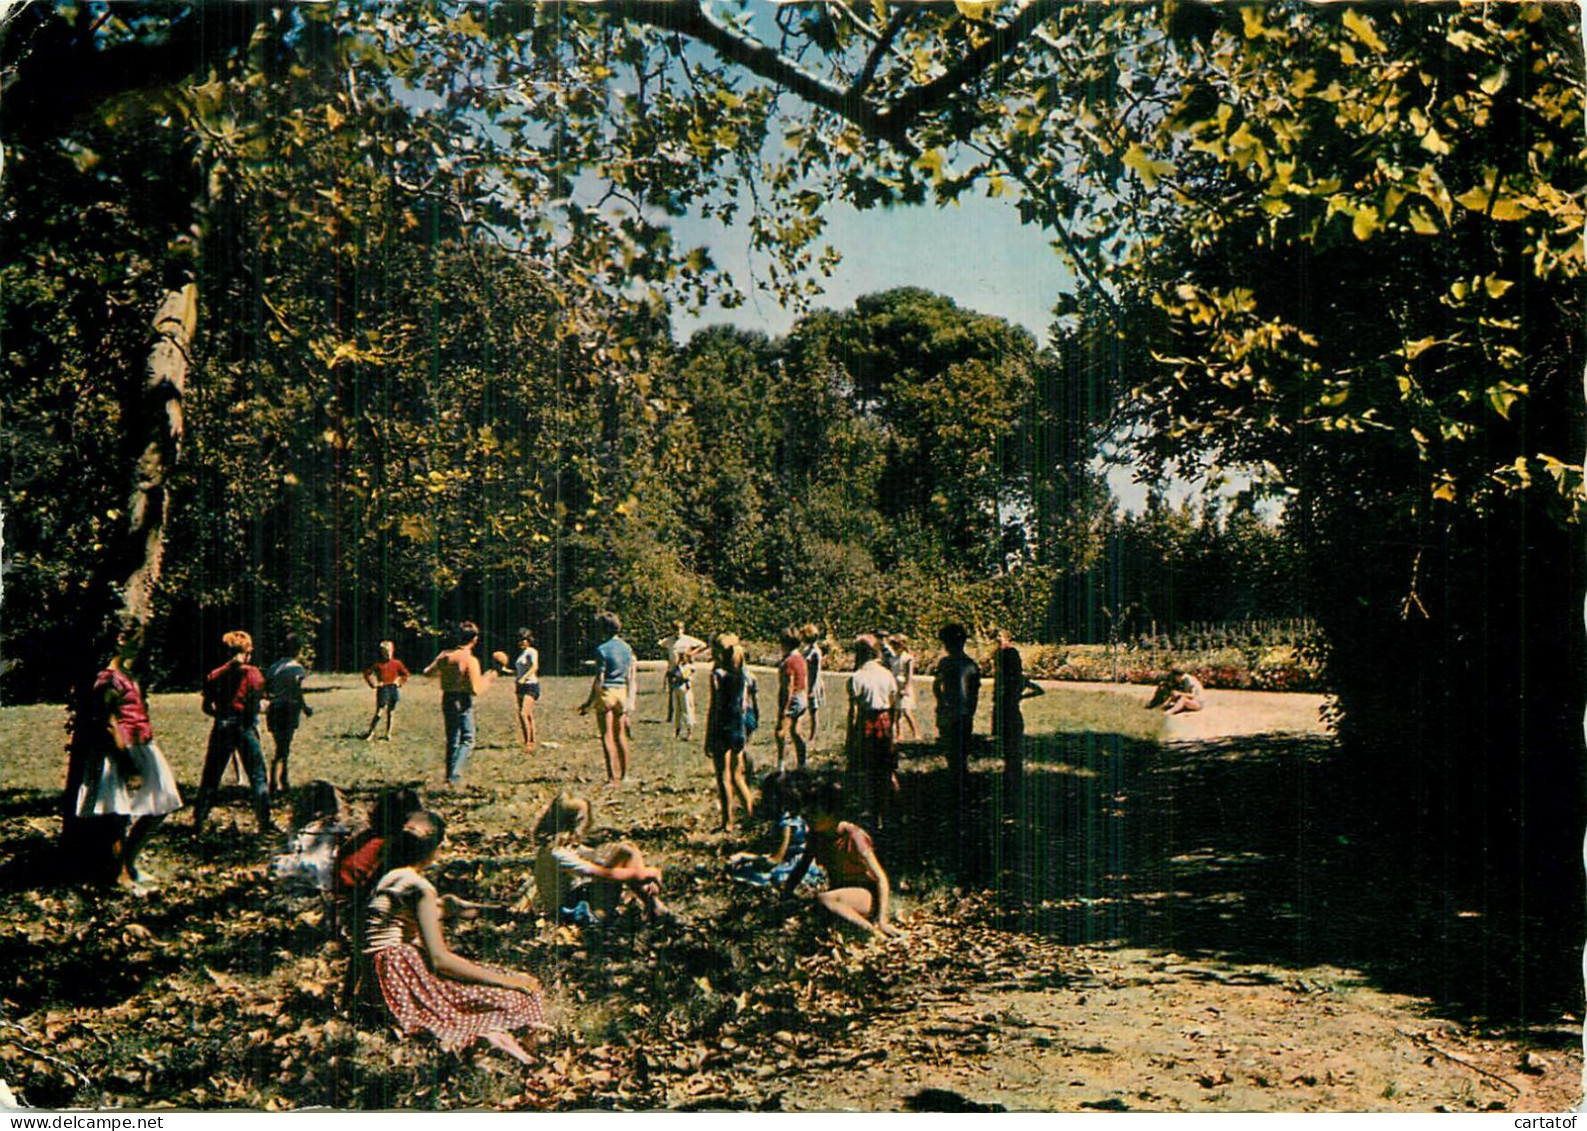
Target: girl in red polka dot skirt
(427,987)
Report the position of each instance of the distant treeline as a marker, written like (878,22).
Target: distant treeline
(896,465)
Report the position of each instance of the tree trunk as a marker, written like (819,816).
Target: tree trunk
(152,418)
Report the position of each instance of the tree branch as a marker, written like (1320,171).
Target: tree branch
(883,43)
(902,114)
(689,17)
(40,46)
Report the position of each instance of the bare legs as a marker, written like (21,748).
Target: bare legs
(507,1043)
(854,906)
(131,843)
(374,721)
(908,716)
(614,743)
(788,728)
(731,785)
(526,721)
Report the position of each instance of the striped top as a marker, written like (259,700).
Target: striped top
(393,915)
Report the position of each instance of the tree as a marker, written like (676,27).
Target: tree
(1429,430)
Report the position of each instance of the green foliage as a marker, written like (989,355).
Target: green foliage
(1437,147)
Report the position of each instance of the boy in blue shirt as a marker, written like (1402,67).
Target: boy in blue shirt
(614,668)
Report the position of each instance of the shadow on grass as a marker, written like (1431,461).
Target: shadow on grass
(1247,849)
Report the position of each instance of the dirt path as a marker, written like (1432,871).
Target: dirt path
(1140,1031)
(1228,714)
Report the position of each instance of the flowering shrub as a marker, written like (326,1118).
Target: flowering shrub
(1255,667)
(1282,667)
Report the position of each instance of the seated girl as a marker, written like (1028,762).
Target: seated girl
(321,821)
(779,794)
(580,884)
(859,890)
(426,986)
(1178,692)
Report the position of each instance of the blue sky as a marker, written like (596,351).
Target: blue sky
(977,253)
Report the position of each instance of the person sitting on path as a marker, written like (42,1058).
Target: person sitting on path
(461,681)
(231,696)
(576,883)
(129,779)
(858,891)
(284,690)
(428,987)
(609,698)
(386,676)
(1179,692)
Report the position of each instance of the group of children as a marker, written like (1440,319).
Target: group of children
(396,917)
(393,917)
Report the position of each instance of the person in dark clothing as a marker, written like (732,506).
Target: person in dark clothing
(1008,718)
(957,687)
(284,690)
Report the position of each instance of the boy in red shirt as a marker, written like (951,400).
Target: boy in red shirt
(386,675)
(793,684)
(231,696)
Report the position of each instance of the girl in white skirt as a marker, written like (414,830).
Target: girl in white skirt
(131,778)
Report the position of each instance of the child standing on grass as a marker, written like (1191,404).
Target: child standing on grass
(231,696)
(1009,691)
(810,635)
(858,892)
(131,778)
(284,690)
(461,681)
(958,693)
(386,676)
(873,718)
(681,650)
(526,685)
(610,696)
(726,730)
(904,671)
(793,696)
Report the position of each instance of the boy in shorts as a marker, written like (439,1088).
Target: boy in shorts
(386,676)
(614,671)
(793,683)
